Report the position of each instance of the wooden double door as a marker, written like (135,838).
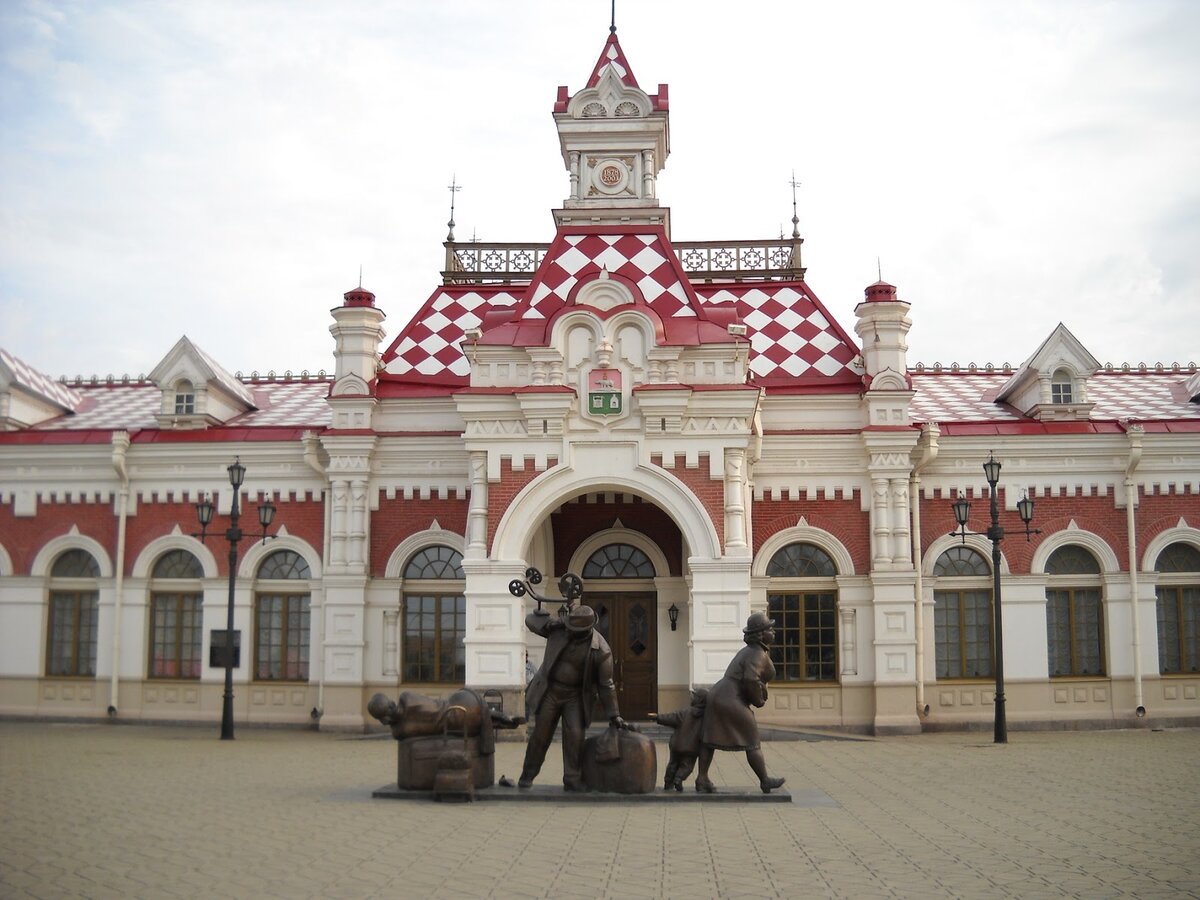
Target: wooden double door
(628,620)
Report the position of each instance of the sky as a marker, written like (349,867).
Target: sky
(222,169)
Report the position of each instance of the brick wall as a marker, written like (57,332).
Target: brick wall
(709,491)
(511,483)
(1094,512)
(841,516)
(23,538)
(578,520)
(398,519)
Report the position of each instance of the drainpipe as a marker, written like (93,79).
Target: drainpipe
(120,446)
(1135,434)
(927,450)
(312,458)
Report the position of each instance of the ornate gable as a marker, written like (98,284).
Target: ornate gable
(1052,385)
(196,391)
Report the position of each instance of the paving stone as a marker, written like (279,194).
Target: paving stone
(153,812)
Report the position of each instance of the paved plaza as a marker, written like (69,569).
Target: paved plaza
(135,811)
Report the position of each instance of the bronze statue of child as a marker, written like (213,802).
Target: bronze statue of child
(685,741)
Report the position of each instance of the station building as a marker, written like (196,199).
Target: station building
(683,424)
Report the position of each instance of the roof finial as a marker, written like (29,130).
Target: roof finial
(612,28)
(360,276)
(454,187)
(879,268)
(795,216)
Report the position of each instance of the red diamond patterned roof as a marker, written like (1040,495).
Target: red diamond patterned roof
(793,339)
(791,335)
(643,259)
(427,349)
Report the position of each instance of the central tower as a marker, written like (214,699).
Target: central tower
(615,140)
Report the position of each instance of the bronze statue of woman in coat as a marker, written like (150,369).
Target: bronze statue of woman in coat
(728,718)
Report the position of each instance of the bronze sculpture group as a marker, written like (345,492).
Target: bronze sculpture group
(575,678)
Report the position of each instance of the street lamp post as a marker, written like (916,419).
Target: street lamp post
(995,534)
(233,534)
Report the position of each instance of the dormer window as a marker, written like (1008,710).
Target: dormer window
(196,392)
(1052,385)
(1062,388)
(185,398)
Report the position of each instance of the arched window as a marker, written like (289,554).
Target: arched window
(185,398)
(281,618)
(74,601)
(1062,387)
(435,617)
(1178,601)
(801,561)
(618,561)
(1074,619)
(176,608)
(435,562)
(962,614)
(802,601)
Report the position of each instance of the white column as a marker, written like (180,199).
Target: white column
(356,555)
(901,543)
(880,528)
(849,640)
(337,529)
(477,510)
(391,642)
(735,508)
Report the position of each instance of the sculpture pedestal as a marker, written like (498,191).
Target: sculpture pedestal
(553,793)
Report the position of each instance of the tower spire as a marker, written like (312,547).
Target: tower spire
(795,216)
(453,187)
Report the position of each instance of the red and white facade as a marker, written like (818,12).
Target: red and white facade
(691,412)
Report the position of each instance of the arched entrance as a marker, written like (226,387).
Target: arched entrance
(619,575)
(542,527)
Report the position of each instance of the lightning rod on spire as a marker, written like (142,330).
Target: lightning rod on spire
(795,216)
(453,187)
(612,28)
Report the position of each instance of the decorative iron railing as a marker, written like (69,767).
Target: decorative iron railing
(479,263)
(770,260)
(775,260)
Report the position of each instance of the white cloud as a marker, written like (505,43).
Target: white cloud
(222,169)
